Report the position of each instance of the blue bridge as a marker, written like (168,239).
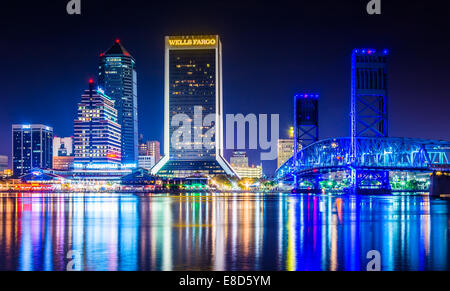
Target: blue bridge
(370,167)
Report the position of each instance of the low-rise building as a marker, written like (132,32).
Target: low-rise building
(285,151)
(239,159)
(63,163)
(249,172)
(3,163)
(146,162)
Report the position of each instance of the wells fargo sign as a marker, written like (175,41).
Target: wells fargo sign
(194,41)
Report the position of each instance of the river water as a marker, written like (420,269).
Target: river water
(222,232)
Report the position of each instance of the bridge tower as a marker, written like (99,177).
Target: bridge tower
(369,104)
(306,122)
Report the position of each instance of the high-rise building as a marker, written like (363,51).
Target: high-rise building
(96,131)
(154,149)
(117,77)
(62,146)
(193,90)
(32,147)
(285,150)
(143,148)
(150,148)
(239,159)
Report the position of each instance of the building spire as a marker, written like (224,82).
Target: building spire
(116,49)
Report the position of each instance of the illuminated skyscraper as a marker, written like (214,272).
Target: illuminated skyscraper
(117,77)
(96,131)
(32,147)
(193,79)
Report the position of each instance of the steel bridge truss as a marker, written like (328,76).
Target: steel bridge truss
(374,159)
(371,115)
(307,134)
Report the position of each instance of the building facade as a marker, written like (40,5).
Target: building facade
(249,172)
(150,148)
(118,78)
(239,159)
(32,147)
(143,149)
(285,151)
(96,131)
(63,163)
(62,146)
(193,90)
(3,163)
(146,162)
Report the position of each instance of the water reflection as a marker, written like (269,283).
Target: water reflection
(222,232)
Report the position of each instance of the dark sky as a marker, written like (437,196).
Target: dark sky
(271,49)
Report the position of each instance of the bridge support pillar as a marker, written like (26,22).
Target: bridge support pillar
(314,180)
(316,183)
(372,182)
(440,184)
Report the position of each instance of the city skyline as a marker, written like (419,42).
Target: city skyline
(248,137)
(251,58)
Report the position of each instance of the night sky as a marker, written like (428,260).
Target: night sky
(271,49)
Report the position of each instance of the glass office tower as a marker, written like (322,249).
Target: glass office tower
(96,131)
(117,77)
(193,79)
(32,147)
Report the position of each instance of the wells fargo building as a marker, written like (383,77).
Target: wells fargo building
(193,78)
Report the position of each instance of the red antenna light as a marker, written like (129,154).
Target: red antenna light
(117,40)
(91,81)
